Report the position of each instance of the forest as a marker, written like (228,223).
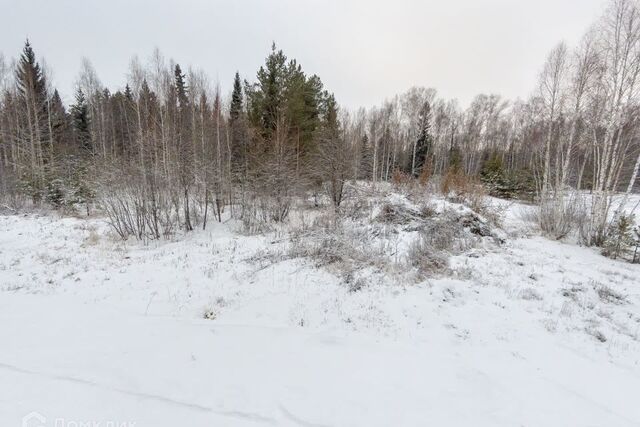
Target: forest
(168,151)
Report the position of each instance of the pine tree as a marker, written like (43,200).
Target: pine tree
(305,100)
(266,95)
(285,99)
(331,124)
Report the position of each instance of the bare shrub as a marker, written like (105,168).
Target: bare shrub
(559,216)
(427,210)
(260,213)
(11,204)
(272,184)
(425,174)
(402,180)
(328,242)
(133,214)
(425,258)
(446,234)
(324,247)
(402,234)
(358,208)
(455,184)
(146,209)
(252,216)
(476,198)
(392,213)
(443,236)
(465,189)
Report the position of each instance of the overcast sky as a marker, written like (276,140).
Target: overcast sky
(364,50)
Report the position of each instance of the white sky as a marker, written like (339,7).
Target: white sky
(364,50)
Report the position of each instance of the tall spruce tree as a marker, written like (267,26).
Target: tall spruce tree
(32,108)
(59,120)
(366,158)
(235,110)
(77,180)
(425,140)
(184,149)
(181,88)
(237,125)
(80,121)
(128,93)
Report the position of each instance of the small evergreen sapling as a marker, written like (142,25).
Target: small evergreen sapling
(620,237)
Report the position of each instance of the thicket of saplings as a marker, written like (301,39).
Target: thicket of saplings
(168,153)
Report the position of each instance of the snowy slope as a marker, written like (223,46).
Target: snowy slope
(532,333)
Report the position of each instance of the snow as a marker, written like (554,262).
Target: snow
(532,332)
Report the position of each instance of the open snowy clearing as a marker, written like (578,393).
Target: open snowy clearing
(201,332)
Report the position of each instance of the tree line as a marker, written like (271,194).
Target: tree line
(168,151)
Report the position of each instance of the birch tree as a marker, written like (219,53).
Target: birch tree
(552,92)
(619,32)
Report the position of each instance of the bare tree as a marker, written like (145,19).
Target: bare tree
(552,81)
(615,92)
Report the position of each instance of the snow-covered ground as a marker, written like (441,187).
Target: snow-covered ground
(208,331)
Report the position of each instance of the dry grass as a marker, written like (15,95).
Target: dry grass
(402,238)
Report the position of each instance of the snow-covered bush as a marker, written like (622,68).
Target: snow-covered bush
(424,257)
(461,188)
(399,237)
(399,214)
(448,233)
(330,241)
(558,217)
